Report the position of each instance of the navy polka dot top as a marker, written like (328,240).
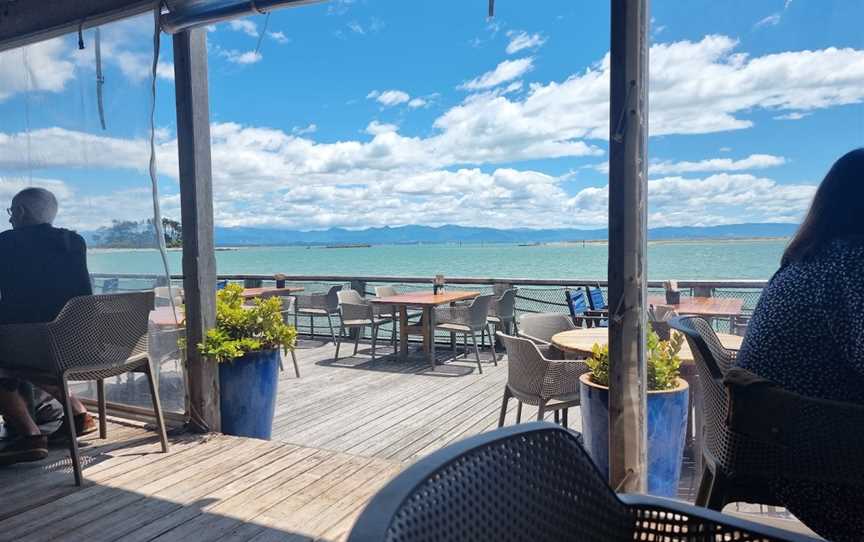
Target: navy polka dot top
(807,332)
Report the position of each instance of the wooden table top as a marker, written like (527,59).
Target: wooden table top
(424,299)
(580,341)
(164,317)
(270,291)
(702,306)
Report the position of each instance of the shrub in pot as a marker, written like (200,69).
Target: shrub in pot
(247,344)
(667,411)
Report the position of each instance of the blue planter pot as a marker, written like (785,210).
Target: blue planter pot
(667,428)
(247,390)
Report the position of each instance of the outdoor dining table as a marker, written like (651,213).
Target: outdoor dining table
(723,307)
(580,342)
(164,317)
(426,328)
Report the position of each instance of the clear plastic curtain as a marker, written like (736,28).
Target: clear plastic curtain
(90,117)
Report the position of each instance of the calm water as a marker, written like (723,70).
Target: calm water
(751,259)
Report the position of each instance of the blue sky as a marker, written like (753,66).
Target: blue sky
(371,112)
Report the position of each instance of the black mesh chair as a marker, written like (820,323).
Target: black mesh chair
(93,338)
(532,482)
(760,441)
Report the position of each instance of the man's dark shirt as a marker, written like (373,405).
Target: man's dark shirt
(41,268)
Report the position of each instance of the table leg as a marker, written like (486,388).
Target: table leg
(403,332)
(429,334)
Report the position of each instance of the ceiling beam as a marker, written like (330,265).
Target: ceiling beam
(23,22)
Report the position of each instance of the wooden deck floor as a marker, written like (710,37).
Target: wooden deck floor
(211,487)
(341,432)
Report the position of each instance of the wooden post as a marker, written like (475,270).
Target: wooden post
(196,207)
(628,141)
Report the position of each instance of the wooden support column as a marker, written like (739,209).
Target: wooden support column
(628,141)
(196,206)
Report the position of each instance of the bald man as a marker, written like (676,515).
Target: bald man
(41,268)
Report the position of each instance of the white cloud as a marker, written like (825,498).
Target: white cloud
(505,71)
(523,40)
(417,102)
(376,128)
(771,20)
(356,27)
(43,66)
(241,57)
(304,130)
(246,26)
(279,37)
(795,115)
(389,98)
(754,161)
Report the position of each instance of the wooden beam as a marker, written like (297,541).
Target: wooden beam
(196,207)
(628,142)
(23,22)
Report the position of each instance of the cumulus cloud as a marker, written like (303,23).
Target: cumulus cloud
(505,71)
(523,40)
(43,66)
(754,161)
(304,130)
(771,20)
(241,57)
(389,98)
(246,26)
(417,102)
(278,37)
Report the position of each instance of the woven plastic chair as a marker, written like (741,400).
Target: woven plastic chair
(318,305)
(288,303)
(356,313)
(540,327)
(468,320)
(539,381)
(532,482)
(502,312)
(93,338)
(794,439)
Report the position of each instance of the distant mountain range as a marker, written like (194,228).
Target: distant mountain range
(465,234)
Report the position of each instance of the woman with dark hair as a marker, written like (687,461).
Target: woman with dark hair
(807,332)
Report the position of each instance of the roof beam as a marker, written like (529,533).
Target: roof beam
(23,22)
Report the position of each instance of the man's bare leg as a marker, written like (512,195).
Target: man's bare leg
(15,412)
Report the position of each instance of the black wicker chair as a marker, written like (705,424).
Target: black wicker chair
(532,482)
(760,440)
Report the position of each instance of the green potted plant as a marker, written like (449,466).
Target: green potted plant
(666,414)
(247,343)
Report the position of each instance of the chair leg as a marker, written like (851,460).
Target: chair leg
(157,405)
(281,365)
(358,332)
(374,340)
(564,417)
(476,351)
(717,492)
(453,342)
(704,490)
(312,326)
(492,346)
(557,416)
(483,337)
(100,400)
(296,318)
(296,367)
(330,322)
(519,412)
(541,411)
(394,322)
(339,342)
(504,407)
(73,438)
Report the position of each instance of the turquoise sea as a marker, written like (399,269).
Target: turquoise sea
(716,259)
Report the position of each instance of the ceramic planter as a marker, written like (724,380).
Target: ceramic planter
(247,391)
(667,427)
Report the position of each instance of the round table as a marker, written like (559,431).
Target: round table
(580,341)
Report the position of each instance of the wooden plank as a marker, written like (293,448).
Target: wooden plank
(628,142)
(196,209)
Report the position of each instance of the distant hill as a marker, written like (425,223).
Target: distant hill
(464,234)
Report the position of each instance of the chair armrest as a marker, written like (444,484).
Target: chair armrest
(535,340)
(456,314)
(701,520)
